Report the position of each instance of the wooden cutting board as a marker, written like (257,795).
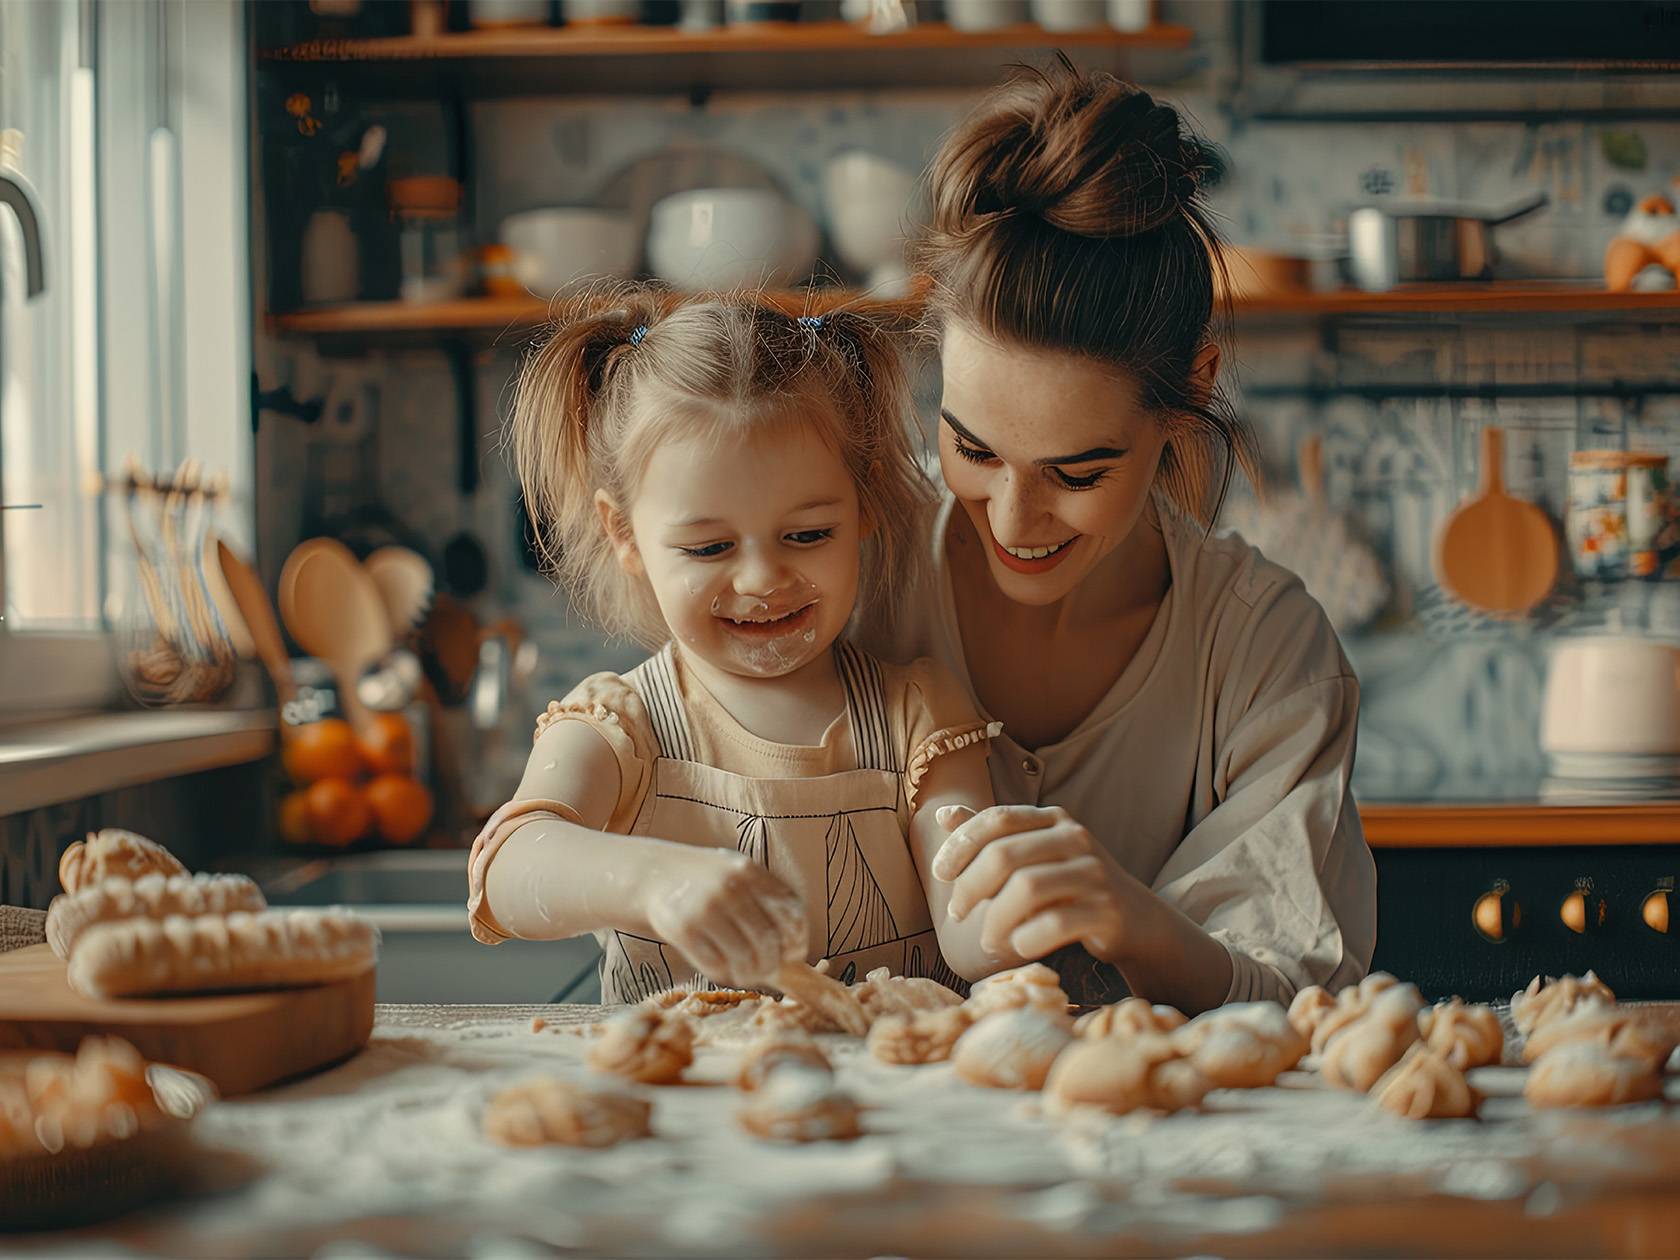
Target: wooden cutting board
(241,1041)
(1497,553)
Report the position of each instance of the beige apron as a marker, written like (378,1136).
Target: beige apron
(838,840)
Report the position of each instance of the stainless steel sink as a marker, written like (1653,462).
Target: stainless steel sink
(426,877)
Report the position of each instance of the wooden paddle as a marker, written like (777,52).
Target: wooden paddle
(1496,553)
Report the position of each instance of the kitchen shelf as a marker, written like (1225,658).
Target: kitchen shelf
(1420,826)
(620,59)
(493,319)
(481,318)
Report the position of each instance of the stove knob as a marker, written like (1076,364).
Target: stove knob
(1580,914)
(1655,911)
(1496,914)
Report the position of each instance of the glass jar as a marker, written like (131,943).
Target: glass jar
(427,211)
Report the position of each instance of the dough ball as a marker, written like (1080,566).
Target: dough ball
(1587,1074)
(1618,1029)
(1011,1049)
(1425,1085)
(801,1104)
(645,1045)
(1034,985)
(1128,1018)
(1310,1005)
(774,1053)
(1242,1046)
(1363,1050)
(1546,999)
(1466,1036)
(1143,1073)
(560,1113)
(924,1037)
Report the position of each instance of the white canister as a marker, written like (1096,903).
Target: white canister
(1070,15)
(1131,15)
(984,15)
(330,264)
(1612,696)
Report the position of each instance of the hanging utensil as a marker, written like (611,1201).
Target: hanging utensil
(258,615)
(333,610)
(1497,553)
(404,580)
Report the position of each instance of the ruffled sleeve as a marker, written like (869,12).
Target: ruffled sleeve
(611,707)
(937,719)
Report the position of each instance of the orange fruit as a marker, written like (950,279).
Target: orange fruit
(296,825)
(337,813)
(322,750)
(387,745)
(401,807)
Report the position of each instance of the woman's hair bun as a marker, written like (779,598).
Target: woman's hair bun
(1086,153)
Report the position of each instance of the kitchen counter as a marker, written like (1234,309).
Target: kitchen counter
(383,1154)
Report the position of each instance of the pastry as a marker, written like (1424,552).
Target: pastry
(267,950)
(1618,1029)
(110,852)
(924,1037)
(1242,1046)
(703,1002)
(1011,1048)
(772,1054)
(1587,1074)
(642,1045)
(149,897)
(1546,999)
(801,1104)
(1425,1085)
(1363,1050)
(1351,1003)
(1034,985)
(1143,1073)
(824,995)
(882,993)
(560,1113)
(1309,1006)
(51,1102)
(1466,1036)
(1128,1018)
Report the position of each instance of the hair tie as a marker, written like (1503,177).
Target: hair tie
(811,323)
(638,334)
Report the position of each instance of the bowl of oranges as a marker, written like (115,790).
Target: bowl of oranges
(350,786)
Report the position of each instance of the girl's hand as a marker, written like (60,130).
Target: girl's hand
(1048,881)
(728,915)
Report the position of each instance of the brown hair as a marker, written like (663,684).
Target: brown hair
(625,367)
(1067,215)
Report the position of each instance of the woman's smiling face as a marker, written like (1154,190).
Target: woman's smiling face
(1051,455)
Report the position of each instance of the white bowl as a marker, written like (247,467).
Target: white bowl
(1070,15)
(1612,695)
(727,238)
(984,15)
(872,207)
(554,247)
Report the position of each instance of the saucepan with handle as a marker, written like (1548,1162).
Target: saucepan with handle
(1425,242)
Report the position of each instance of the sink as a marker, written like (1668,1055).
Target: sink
(418,901)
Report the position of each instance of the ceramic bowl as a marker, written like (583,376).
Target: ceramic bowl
(984,15)
(554,247)
(872,206)
(726,238)
(1070,15)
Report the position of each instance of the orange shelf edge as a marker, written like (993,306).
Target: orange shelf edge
(1519,826)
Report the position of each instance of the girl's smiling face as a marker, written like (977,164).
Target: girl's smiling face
(749,543)
(1051,456)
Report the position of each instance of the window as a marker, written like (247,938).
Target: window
(139,342)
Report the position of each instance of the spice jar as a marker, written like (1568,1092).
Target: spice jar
(1618,508)
(427,209)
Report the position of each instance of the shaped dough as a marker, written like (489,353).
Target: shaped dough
(1465,1036)
(1362,1051)
(1353,1002)
(643,1045)
(1011,1049)
(882,993)
(703,1002)
(1242,1046)
(560,1113)
(1309,1007)
(112,852)
(1587,1074)
(1425,1085)
(1546,999)
(925,1037)
(824,995)
(267,950)
(1620,1030)
(149,897)
(1128,1018)
(52,1102)
(1143,1073)
(773,1054)
(799,1104)
(1034,985)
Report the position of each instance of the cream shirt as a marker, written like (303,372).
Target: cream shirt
(1216,770)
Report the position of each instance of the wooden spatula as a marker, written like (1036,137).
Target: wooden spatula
(1496,553)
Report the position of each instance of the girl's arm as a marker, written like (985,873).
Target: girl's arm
(553,878)
(954,785)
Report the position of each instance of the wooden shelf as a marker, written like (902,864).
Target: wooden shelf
(1520,826)
(660,59)
(481,318)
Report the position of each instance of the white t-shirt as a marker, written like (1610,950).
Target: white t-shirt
(1217,768)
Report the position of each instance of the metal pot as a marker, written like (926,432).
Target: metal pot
(1427,242)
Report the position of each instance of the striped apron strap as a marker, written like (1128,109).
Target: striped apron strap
(656,680)
(866,702)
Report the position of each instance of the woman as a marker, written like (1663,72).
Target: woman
(1178,716)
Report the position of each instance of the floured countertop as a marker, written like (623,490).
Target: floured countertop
(383,1155)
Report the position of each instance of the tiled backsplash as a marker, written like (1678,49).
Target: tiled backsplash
(1448,697)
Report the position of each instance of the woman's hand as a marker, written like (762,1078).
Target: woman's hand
(728,915)
(1048,881)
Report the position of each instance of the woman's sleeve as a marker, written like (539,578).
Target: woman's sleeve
(938,719)
(1278,870)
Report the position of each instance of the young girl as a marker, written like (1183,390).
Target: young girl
(719,480)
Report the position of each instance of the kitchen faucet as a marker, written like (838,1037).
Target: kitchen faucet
(15,195)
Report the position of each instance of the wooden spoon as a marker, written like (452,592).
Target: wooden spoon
(404,580)
(258,616)
(1495,552)
(333,610)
